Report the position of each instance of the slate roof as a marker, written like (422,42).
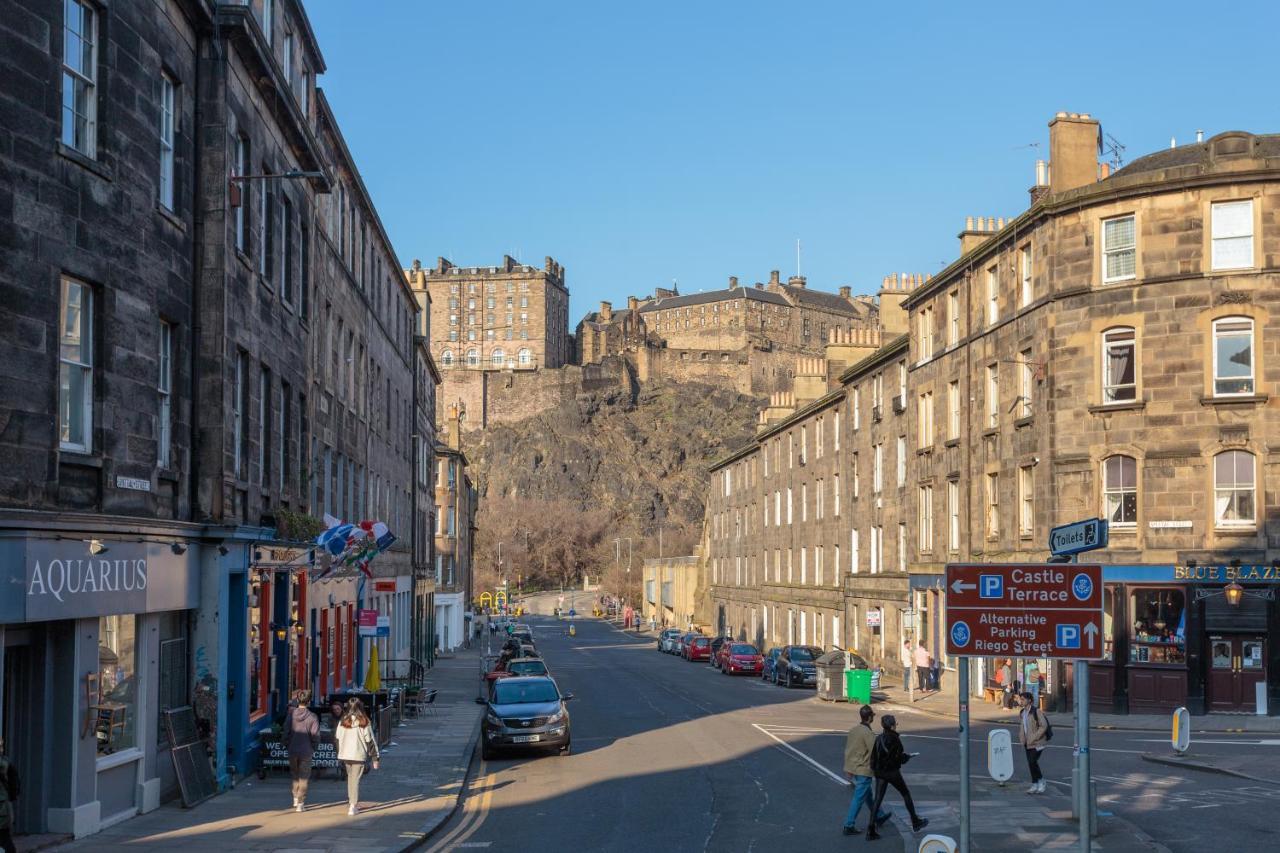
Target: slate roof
(1189,155)
(714,296)
(821,299)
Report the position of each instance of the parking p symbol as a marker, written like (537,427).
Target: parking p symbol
(1068,636)
(991,586)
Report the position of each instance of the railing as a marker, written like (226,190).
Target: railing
(416,675)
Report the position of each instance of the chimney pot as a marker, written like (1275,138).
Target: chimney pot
(733,282)
(845,291)
(968,223)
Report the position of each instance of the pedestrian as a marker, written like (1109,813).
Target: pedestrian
(9,789)
(301,737)
(1005,679)
(1032,682)
(1033,731)
(887,758)
(906,665)
(356,745)
(857,767)
(922,661)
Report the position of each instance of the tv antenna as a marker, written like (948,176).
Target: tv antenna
(1113,146)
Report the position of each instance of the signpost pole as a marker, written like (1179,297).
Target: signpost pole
(1082,739)
(963,687)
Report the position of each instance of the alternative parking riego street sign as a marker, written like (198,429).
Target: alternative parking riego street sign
(1025,610)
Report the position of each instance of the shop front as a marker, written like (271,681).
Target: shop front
(1192,635)
(95,646)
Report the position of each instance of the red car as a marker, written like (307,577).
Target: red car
(698,648)
(740,658)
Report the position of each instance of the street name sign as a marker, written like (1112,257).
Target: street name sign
(1025,610)
(1078,537)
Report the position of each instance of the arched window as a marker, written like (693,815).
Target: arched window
(1233,356)
(498,358)
(473,358)
(1119,365)
(525,357)
(1234,489)
(1120,490)
(446,358)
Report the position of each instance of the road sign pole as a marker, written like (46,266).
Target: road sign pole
(1085,779)
(964,754)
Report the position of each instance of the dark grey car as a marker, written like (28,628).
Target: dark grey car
(525,712)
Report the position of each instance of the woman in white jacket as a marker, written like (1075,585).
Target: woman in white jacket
(356,745)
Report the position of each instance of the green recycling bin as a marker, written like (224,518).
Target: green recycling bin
(857,685)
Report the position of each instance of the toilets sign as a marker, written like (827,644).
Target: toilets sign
(1034,610)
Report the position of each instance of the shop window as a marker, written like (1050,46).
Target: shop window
(116,714)
(1108,622)
(259,646)
(1159,626)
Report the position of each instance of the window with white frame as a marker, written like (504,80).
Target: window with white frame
(804,443)
(1025,290)
(524,357)
(728,483)
(853,409)
(835,495)
(1232,231)
(902,461)
(1026,381)
(902,546)
(877,391)
(286,59)
(1120,491)
(239,407)
(75,367)
(268,18)
(924,419)
(817,439)
(80,77)
(925,333)
(853,551)
(926,518)
(804,564)
(264,227)
(953,409)
(1234,489)
(1233,368)
(818,500)
(789,505)
(953,515)
(1026,502)
(953,318)
(498,358)
(473,358)
(1119,249)
(446,358)
(168,103)
(993,295)
(877,470)
(874,548)
(853,474)
(777,507)
(1119,365)
(993,396)
(264,412)
(241,168)
(993,506)
(164,392)
(835,432)
(902,384)
(804,502)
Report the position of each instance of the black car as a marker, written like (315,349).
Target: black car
(525,712)
(715,649)
(770,667)
(795,665)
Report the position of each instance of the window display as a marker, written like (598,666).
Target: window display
(116,713)
(1159,626)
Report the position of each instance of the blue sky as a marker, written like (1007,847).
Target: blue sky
(639,143)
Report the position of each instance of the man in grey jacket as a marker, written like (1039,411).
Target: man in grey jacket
(857,767)
(302,736)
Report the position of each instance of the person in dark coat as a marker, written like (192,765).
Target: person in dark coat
(887,758)
(9,789)
(301,737)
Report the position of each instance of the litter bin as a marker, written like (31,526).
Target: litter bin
(857,684)
(830,669)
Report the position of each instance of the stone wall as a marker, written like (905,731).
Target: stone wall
(492,397)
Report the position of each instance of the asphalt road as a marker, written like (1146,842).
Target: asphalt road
(670,755)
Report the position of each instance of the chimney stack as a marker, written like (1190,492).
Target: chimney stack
(1073,151)
(796,281)
(606,311)
(633,303)
(846,291)
(733,282)
(775,278)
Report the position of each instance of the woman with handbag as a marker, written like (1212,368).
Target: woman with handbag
(356,745)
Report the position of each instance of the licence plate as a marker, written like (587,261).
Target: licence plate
(526,738)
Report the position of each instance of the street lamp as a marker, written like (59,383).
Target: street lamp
(1233,592)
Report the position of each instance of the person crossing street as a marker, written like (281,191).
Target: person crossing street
(857,767)
(887,760)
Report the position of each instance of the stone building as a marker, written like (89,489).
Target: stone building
(672,591)
(171,248)
(1102,354)
(1105,354)
(456,504)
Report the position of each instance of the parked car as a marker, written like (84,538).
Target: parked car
(698,648)
(527,666)
(716,645)
(795,665)
(769,667)
(682,645)
(740,658)
(522,712)
(667,638)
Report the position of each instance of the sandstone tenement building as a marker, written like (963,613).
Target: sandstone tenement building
(1110,352)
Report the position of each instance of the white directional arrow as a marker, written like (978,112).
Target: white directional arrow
(958,586)
(1090,633)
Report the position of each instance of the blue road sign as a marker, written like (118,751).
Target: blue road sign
(991,586)
(1068,636)
(1078,537)
(1082,587)
(960,634)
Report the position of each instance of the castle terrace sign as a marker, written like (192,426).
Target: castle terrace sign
(1025,610)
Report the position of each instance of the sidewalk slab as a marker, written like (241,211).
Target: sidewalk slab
(944,705)
(1225,765)
(416,790)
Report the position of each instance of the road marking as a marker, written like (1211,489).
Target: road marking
(839,780)
(475,811)
(1223,742)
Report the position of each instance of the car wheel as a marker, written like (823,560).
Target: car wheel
(567,748)
(486,752)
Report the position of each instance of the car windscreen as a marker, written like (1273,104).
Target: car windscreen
(804,653)
(701,641)
(530,667)
(524,692)
(742,649)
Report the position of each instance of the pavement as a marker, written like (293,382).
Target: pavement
(673,755)
(416,790)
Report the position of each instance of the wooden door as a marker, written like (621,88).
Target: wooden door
(1236,664)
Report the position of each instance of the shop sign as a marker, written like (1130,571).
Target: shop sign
(383,628)
(384,586)
(1043,611)
(64,581)
(1226,574)
(275,753)
(873,618)
(367,620)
